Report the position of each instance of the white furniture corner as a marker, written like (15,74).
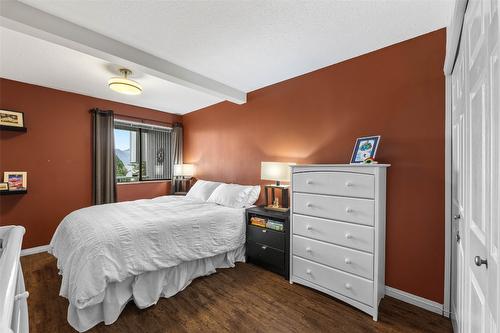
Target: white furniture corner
(13,305)
(337,237)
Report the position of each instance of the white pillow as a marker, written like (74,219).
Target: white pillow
(231,195)
(253,195)
(202,189)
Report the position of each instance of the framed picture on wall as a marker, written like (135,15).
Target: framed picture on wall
(17,180)
(365,147)
(11,118)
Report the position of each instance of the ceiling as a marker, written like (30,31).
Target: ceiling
(243,44)
(50,65)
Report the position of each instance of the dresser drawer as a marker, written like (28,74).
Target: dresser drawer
(335,183)
(346,234)
(266,256)
(343,283)
(267,237)
(351,261)
(337,208)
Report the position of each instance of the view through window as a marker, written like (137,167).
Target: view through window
(142,152)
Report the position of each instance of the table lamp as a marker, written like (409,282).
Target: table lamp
(278,172)
(184,172)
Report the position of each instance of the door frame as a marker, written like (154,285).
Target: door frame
(453,34)
(447,198)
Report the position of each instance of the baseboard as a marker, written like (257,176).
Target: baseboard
(35,250)
(415,300)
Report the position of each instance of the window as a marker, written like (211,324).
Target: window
(142,152)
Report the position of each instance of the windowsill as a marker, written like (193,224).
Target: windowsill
(144,182)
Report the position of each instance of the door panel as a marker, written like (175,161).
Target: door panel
(481,29)
(475,289)
(493,236)
(458,183)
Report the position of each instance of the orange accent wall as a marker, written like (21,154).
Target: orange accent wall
(397,92)
(143,190)
(56,152)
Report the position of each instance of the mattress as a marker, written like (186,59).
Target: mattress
(105,244)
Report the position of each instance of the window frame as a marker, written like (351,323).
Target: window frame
(139,127)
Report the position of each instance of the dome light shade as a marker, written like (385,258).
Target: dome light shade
(124,85)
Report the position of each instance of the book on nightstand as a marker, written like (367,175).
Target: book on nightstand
(260,222)
(274,225)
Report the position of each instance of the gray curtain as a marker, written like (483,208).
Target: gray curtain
(176,154)
(104,180)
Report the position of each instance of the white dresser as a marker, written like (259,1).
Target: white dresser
(338,231)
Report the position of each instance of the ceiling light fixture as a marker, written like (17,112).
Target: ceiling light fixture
(124,85)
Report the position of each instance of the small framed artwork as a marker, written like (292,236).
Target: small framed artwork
(4,186)
(16,180)
(365,147)
(11,118)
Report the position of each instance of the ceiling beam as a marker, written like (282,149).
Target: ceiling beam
(20,17)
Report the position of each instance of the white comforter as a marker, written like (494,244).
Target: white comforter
(108,243)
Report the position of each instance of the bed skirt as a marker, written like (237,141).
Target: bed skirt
(146,289)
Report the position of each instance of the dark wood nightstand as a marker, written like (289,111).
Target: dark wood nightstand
(267,247)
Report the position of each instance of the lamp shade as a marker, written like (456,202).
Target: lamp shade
(276,171)
(124,85)
(184,170)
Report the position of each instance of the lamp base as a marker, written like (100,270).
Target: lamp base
(277,209)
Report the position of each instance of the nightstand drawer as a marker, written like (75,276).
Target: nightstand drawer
(266,256)
(267,237)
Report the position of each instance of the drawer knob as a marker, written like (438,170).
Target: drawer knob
(348,235)
(309,205)
(308,271)
(264,247)
(348,286)
(348,210)
(348,184)
(308,227)
(309,182)
(308,249)
(347,261)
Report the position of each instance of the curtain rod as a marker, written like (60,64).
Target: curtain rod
(143,125)
(140,120)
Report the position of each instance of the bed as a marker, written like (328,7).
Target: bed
(141,250)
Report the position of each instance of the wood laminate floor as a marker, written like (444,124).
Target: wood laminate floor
(241,299)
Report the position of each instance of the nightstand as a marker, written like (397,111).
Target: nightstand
(267,247)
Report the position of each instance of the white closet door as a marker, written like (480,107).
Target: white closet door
(493,242)
(458,189)
(481,34)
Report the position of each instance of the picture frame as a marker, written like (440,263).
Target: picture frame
(4,186)
(16,180)
(11,118)
(365,147)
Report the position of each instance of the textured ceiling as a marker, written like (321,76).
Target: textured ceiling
(49,65)
(244,44)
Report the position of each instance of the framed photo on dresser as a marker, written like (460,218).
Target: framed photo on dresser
(365,148)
